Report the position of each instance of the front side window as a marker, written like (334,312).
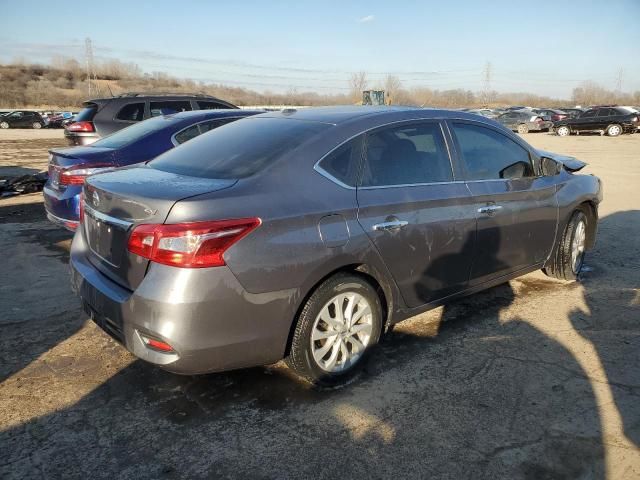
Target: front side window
(169,107)
(133,112)
(406,155)
(489,155)
(589,113)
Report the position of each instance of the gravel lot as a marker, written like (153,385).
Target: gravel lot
(535,379)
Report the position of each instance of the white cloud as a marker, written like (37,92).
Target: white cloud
(368,18)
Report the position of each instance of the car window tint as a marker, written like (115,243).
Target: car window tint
(168,107)
(200,128)
(210,105)
(488,154)
(238,149)
(605,112)
(133,112)
(344,162)
(187,134)
(589,113)
(134,132)
(406,155)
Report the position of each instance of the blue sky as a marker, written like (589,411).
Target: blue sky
(544,47)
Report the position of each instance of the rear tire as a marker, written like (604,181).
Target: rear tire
(568,256)
(335,330)
(563,131)
(522,128)
(36,125)
(4,125)
(614,130)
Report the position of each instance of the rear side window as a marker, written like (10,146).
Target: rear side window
(168,107)
(239,149)
(589,113)
(406,155)
(194,130)
(489,155)
(344,162)
(606,112)
(132,112)
(211,105)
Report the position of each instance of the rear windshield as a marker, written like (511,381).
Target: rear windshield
(134,132)
(87,113)
(238,149)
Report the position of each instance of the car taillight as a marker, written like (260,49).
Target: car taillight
(634,119)
(189,245)
(80,127)
(77,174)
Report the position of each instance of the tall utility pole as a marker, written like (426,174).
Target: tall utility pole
(619,77)
(486,90)
(88,56)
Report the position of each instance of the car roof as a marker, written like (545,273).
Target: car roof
(346,114)
(215,113)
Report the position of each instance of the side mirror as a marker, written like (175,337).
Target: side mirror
(550,167)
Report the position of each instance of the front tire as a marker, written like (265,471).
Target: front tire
(563,131)
(522,128)
(4,125)
(614,130)
(568,258)
(335,330)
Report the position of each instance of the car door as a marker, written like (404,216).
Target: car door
(604,117)
(586,121)
(516,208)
(16,119)
(417,215)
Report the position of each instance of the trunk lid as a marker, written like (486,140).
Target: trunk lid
(65,158)
(118,201)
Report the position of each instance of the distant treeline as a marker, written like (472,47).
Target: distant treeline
(63,85)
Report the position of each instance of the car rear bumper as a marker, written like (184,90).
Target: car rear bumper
(63,207)
(209,320)
(81,138)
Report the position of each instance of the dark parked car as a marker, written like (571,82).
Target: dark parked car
(551,114)
(22,119)
(573,112)
(524,121)
(103,116)
(68,167)
(59,119)
(306,234)
(613,121)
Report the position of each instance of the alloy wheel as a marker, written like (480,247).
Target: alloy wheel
(341,332)
(563,131)
(577,247)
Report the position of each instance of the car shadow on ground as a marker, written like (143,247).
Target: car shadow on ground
(468,391)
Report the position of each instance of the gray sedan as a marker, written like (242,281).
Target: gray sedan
(306,235)
(524,121)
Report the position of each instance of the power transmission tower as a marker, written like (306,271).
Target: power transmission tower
(88,56)
(486,75)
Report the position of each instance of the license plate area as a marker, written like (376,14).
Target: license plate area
(106,240)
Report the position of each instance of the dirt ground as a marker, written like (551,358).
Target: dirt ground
(535,379)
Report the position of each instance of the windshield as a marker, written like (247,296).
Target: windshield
(134,132)
(238,149)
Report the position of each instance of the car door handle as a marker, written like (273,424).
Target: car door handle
(390,226)
(490,209)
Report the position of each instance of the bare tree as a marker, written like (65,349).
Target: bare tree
(358,82)
(392,88)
